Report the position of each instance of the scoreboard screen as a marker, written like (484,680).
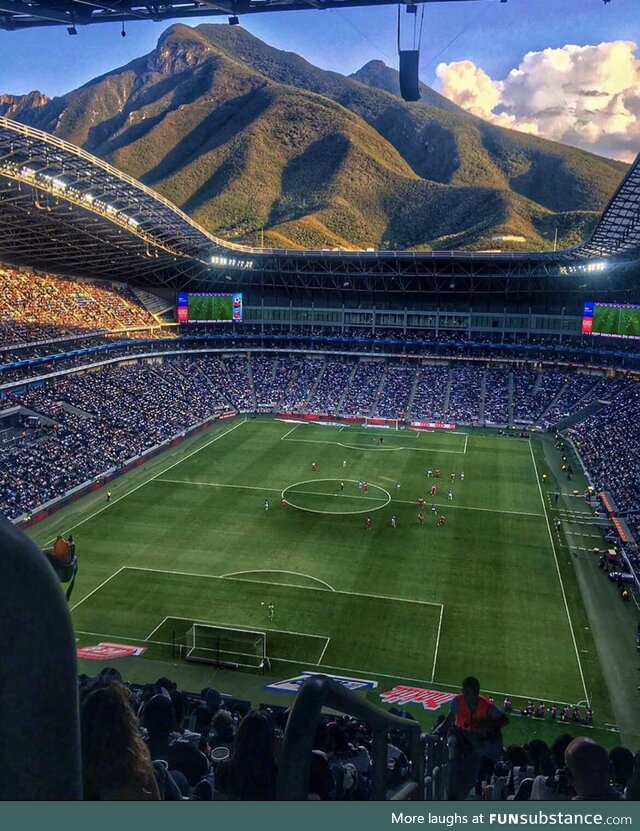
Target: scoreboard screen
(209,308)
(615,320)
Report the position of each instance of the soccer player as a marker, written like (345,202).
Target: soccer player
(367,524)
(421,502)
(442,519)
(365,487)
(284,504)
(450,496)
(452,476)
(344,463)
(462,475)
(394,521)
(421,519)
(266,504)
(314,466)
(381,440)
(341,486)
(437,472)
(434,490)
(544,478)
(271,610)
(108,496)
(433,508)
(429,472)
(397,485)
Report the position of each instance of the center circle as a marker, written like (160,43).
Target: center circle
(336,497)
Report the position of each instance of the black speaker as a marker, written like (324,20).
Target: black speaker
(409,81)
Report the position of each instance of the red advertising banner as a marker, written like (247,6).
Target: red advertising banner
(110,651)
(430,699)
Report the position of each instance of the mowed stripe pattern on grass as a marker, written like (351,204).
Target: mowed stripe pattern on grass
(128,605)
(503,618)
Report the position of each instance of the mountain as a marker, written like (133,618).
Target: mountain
(12,106)
(243,136)
(378,75)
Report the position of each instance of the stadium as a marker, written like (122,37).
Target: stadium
(297,496)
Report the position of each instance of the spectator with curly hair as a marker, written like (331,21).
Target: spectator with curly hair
(116,764)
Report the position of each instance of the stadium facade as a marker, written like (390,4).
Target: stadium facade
(64,210)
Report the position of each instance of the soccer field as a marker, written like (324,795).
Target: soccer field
(486,594)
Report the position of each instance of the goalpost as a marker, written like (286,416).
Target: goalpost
(222,645)
(383,423)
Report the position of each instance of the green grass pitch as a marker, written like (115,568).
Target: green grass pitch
(427,605)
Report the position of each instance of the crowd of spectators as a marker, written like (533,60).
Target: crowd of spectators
(158,742)
(465,393)
(576,387)
(431,388)
(524,382)
(363,389)
(97,421)
(35,307)
(266,381)
(395,394)
(496,398)
(304,376)
(121,410)
(609,445)
(331,387)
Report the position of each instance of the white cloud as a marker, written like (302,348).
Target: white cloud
(587,96)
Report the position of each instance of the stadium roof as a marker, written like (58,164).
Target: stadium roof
(19,14)
(64,210)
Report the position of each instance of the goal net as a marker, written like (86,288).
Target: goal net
(383,423)
(207,644)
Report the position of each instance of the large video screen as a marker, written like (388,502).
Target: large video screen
(615,320)
(209,308)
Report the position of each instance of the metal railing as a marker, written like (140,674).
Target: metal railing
(436,754)
(319,691)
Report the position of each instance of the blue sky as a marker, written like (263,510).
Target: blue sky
(567,70)
(493,35)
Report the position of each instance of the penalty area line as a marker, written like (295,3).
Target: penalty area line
(93,591)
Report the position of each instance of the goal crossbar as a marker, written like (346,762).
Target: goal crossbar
(224,645)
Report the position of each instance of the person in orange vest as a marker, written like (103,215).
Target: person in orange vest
(472,728)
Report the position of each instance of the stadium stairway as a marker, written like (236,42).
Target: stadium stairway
(510,404)
(551,404)
(447,394)
(252,385)
(313,388)
(347,387)
(580,415)
(483,393)
(414,387)
(376,398)
(157,306)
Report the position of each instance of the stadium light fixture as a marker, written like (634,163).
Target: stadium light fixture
(234,21)
(71,30)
